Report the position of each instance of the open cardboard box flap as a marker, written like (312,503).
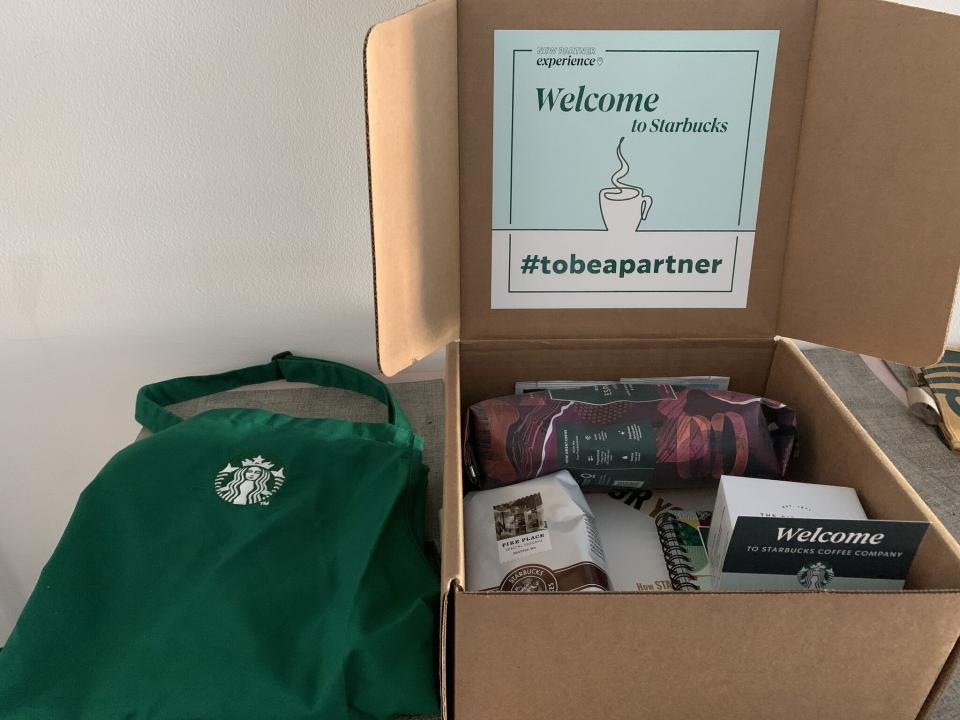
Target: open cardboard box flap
(856,242)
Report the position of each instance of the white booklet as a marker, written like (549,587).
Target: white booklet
(707,382)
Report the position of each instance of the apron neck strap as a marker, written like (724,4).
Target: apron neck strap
(152,399)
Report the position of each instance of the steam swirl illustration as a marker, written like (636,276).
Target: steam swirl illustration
(623,206)
(621,171)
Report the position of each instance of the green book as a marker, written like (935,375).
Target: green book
(683,540)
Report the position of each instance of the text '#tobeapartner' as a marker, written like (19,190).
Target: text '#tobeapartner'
(532,263)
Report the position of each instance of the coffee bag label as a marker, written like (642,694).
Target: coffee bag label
(616,454)
(627,166)
(521,528)
(545,538)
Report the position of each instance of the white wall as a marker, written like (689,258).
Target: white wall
(183,189)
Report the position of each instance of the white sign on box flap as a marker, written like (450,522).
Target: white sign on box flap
(627,165)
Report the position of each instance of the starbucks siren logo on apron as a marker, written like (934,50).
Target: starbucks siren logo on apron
(253,483)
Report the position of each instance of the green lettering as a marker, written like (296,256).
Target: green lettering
(629,99)
(550,98)
(581,100)
(580,97)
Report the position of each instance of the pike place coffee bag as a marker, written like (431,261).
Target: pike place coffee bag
(535,536)
(627,435)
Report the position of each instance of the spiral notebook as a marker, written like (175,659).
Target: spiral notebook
(626,522)
(683,539)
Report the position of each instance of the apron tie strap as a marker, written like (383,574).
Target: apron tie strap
(152,399)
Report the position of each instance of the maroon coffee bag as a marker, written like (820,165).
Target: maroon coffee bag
(628,435)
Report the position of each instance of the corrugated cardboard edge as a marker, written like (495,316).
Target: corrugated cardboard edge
(444,683)
(447,683)
(873,253)
(411,97)
(953,660)
(451,556)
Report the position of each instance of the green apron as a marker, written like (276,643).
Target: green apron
(239,564)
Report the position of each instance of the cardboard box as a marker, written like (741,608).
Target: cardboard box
(855,247)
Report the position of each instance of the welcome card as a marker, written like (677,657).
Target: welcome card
(627,166)
(779,535)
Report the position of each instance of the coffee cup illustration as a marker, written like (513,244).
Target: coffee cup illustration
(623,206)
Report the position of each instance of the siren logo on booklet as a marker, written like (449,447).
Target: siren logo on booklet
(627,164)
